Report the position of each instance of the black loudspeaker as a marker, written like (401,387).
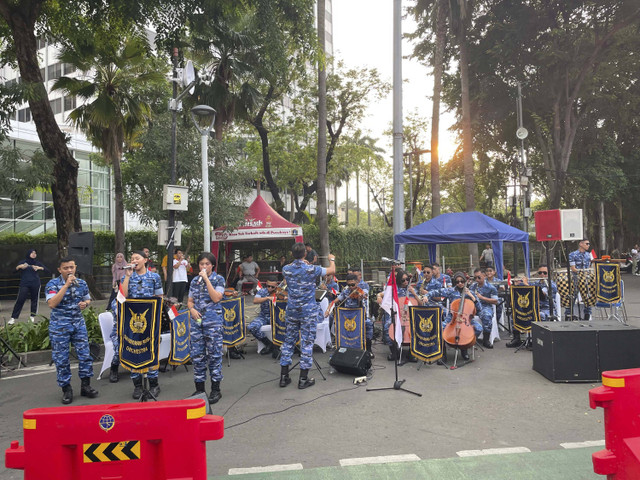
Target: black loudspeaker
(81,249)
(581,351)
(351,360)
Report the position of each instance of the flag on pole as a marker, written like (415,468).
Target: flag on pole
(508,278)
(259,285)
(333,290)
(593,254)
(173,312)
(121,297)
(390,302)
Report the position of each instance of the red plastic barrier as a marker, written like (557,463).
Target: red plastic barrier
(619,396)
(155,441)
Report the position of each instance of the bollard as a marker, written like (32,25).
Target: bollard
(619,396)
(154,441)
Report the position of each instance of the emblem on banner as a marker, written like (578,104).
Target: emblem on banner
(425,323)
(523,300)
(229,314)
(138,322)
(350,324)
(608,276)
(350,327)
(181,328)
(282,316)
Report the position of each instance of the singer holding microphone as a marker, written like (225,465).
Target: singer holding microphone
(67,296)
(138,282)
(205,293)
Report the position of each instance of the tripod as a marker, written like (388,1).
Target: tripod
(146,393)
(397,385)
(297,350)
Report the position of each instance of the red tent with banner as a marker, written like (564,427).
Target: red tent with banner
(261,222)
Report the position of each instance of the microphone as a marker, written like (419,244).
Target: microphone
(129,267)
(200,278)
(391,260)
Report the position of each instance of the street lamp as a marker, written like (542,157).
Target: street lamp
(203,117)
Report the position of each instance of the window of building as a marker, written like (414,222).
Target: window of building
(56,106)
(55,71)
(24,115)
(42,73)
(69,69)
(69,103)
(42,42)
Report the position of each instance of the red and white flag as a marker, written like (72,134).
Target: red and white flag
(593,254)
(259,285)
(173,312)
(390,302)
(508,278)
(121,297)
(444,281)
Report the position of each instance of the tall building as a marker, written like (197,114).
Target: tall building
(94,181)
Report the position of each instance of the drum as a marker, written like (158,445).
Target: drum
(587,286)
(562,282)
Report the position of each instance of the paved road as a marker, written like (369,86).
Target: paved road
(497,402)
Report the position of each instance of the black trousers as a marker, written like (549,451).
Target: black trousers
(27,291)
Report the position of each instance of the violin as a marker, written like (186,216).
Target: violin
(231,292)
(459,332)
(357,293)
(282,294)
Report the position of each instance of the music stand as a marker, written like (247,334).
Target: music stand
(397,385)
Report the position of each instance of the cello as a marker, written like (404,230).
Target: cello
(459,332)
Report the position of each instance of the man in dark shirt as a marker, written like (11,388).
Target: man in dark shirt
(312,255)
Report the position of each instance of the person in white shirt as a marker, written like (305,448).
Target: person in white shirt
(634,259)
(249,271)
(180,265)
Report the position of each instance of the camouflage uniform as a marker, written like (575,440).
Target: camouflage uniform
(263,318)
(206,333)
(66,326)
(302,311)
(140,286)
(545,298)
(484,309)
(582,261)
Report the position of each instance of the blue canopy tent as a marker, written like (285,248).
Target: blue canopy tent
(465,227)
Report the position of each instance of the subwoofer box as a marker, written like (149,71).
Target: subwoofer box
(351,360)
(581,351)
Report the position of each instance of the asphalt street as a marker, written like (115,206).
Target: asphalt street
(494,418)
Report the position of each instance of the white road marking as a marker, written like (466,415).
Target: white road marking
(382,459)
(270,468)
(492,451)
(588,443)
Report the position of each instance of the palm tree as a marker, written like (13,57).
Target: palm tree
(115,100)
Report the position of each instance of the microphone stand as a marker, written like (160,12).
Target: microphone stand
(397,385)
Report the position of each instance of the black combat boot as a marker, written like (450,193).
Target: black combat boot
(154,388)
(86,390)
(305,382)
(234,353)
(67,394)
(113,373)
(137,390)
(268,347)
(215,392)
(199,388)
(368,347)
(486,339)
(285,379)
(516,341)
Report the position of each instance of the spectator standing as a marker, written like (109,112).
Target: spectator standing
(312,255)
(180,265)
(486,259)
(29,285)
(635,255)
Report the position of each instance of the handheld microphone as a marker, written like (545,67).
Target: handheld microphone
(391,260)
(200,277)
(129,267)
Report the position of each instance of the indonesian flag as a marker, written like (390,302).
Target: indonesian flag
(121,297)
(508,278)
(259,285)
(333,290)
(389,302)
(173,312)
(444,281)
(593,254)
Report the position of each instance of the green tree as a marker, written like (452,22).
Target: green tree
(116,95)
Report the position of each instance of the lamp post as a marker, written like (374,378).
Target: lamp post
(201,115)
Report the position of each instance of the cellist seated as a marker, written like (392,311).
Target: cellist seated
(459,281)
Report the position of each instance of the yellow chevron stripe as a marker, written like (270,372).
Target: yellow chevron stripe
(117,451)
(613,382)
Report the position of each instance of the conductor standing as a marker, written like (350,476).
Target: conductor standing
(302,313)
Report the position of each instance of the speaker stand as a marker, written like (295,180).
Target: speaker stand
(315,362)
(526,343)
(4,348)
(397,385)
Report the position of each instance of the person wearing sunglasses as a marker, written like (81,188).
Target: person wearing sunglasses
(579,259)
(487,296)
(442,278)
(263,298)
(459,280)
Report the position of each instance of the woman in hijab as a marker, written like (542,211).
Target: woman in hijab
(117,272)
(29,285)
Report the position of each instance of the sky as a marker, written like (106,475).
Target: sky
(363,37)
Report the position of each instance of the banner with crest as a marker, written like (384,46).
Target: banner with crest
(350,327)
(278,322)
(609,288)
(525,303)
(180,339)
(139,331)
(233,326)
(426,332)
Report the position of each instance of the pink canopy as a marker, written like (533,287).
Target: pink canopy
(261,222)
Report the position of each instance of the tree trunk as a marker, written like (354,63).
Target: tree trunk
(64,189)
(323,219)
(467,147)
